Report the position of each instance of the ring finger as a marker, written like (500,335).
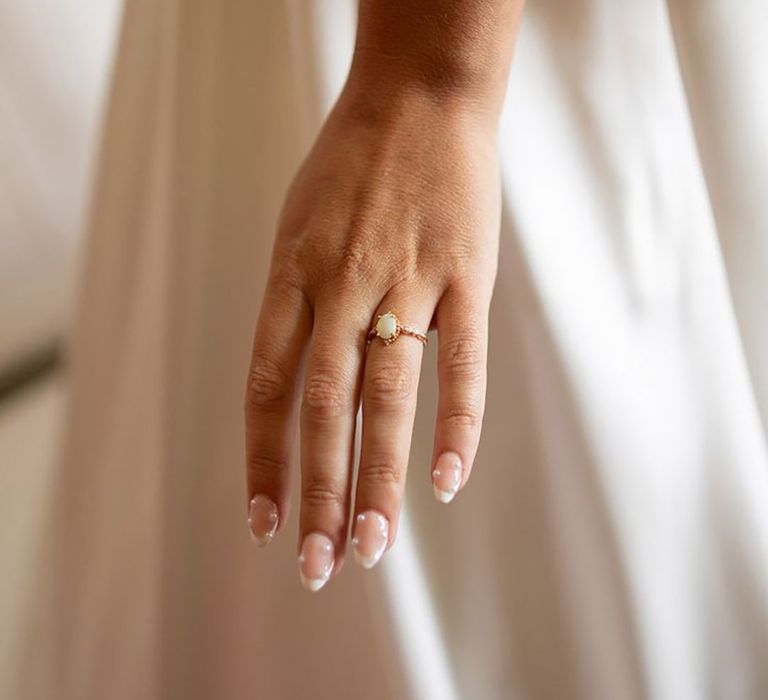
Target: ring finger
(390,383)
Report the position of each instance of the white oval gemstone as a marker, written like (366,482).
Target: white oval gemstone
(386,326)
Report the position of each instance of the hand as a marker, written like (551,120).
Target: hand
(396,208)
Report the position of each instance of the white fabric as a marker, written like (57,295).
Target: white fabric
(613,540)
(55,57)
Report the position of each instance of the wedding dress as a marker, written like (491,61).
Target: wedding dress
(613,540)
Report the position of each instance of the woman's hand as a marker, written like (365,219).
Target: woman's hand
(395,209)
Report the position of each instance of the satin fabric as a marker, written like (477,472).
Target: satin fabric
(54,59)
(613,540)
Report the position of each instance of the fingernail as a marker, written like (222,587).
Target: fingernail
(262,520)
(370,538)
(315,561)
(446,476)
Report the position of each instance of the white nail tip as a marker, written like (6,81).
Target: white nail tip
(443,496)
(312,584)
(367,562)
(262,541)
(371,531)
(263,518)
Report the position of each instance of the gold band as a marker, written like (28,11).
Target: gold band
(388,329)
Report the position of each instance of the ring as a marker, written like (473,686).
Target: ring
(388,329)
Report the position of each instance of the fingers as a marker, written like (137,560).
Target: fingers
(462,324)
(328,415)
(270,406)
(390,383)
(333,382)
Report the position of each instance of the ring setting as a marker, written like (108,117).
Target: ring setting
(388,329)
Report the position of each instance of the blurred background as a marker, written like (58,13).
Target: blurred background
(55,61)
(584,576)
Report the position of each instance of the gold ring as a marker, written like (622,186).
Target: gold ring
(388,329)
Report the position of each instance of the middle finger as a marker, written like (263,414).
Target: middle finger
(328,416)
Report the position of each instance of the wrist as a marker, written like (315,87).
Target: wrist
(456,53)
(382,88)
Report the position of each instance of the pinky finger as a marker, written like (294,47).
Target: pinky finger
(462,325)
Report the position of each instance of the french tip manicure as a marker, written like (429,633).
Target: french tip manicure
(316,561)
(263,519)
(365,562)
(263,541)
(443,496)
(370,538)
(312,584)
(446,476)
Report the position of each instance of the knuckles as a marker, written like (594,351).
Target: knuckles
(464,416)
(327,394)
(265,467)
(374,258)
(268,386)
(380,473)
(463,360)
(323,493)
(388,385)
(358,260)
(364,258)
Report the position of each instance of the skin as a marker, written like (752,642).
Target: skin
(396,207)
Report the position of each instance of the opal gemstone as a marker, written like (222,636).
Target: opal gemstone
(386,326)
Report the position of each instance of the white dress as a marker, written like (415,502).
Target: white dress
(613,541)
